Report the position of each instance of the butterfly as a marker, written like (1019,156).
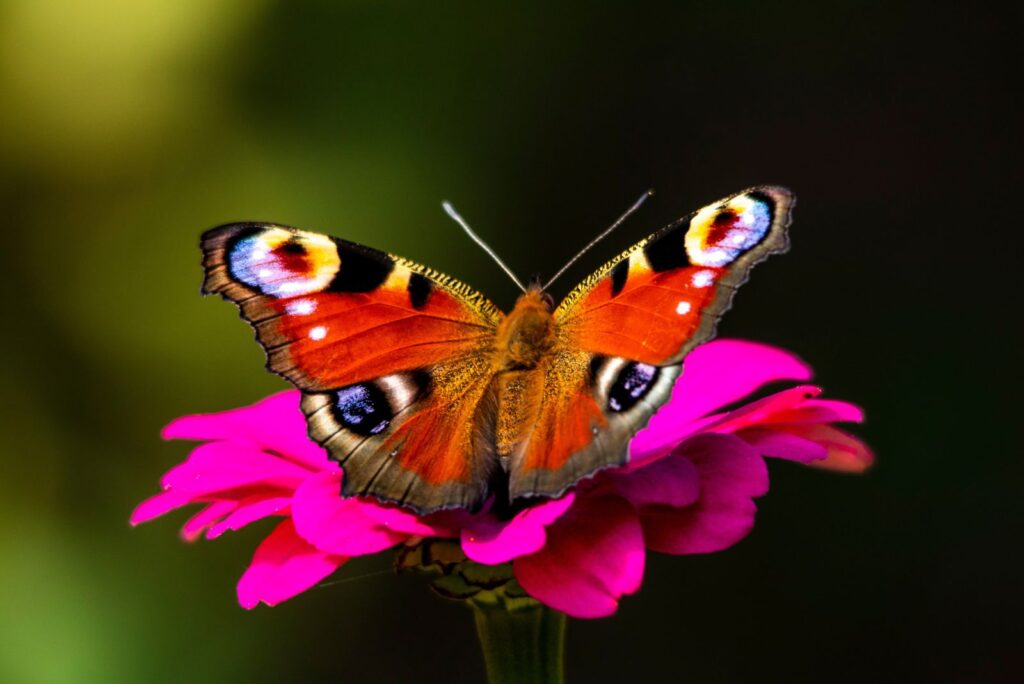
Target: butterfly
(432,398)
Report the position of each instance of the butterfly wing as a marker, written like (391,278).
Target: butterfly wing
(392,357)
(623,333)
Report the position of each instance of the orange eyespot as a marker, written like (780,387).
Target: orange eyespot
(283,263)
(721,233)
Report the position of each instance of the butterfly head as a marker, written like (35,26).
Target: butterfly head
(536,286)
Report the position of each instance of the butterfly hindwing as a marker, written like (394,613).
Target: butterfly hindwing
(434,449)
(624,331)
(590,407)
(392,357)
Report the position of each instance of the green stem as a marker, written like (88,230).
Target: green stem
(522,645)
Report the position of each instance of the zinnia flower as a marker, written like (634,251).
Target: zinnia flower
(689,487)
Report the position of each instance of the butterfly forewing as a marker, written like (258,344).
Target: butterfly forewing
(392,357)
(662,297)
(624,331)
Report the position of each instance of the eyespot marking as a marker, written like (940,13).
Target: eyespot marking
(283,263)
(721,233)
(633,383)
(363,409)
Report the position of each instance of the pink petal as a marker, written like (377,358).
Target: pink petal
(763,410)
(284,565)
(336,525)
(275,423)
(206,517)
(594,555)
(491,541)
(248,512)
(820,411)
(158,505)
(846,453)
(714,375)
(780,444)
(223,466)
(669,481)
(731,474)
(402,520)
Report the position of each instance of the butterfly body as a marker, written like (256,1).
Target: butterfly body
(431,398)
(527,333)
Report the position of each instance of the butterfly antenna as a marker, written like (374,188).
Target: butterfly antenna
(346,580)
(450,210)
(602,236)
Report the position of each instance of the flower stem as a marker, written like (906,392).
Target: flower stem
(522,644)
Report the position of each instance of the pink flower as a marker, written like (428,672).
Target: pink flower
(689,488)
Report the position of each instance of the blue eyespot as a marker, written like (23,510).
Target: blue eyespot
(633,383)
(363,409)
(283,262)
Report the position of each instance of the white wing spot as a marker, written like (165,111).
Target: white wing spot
(301,307)
(318,333)
(683,308)
(702,278)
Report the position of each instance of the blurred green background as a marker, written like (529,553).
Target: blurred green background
(127,128)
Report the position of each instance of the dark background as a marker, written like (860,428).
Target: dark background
(128,128)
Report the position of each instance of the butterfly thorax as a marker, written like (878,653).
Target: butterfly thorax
(527,334)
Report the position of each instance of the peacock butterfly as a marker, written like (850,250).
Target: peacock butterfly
(432,398)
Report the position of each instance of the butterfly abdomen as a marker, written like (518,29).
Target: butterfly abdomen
(523,345)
